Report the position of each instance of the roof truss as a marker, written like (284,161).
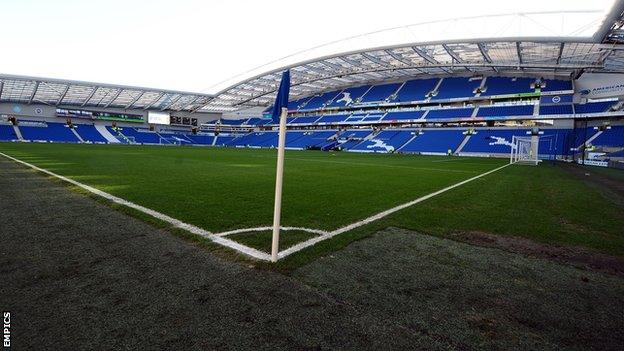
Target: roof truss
(395,64)
(55,92)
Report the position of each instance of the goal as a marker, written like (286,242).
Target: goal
(524,150)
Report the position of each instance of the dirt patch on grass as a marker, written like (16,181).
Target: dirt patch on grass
(573,255)
(611,187)
(471,297)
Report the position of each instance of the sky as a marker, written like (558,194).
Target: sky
(194,45)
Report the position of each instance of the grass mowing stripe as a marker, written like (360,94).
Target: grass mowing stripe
(379,165)
(378,216)
(226,189)
(160,216)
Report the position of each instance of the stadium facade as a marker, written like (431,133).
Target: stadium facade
(452,96)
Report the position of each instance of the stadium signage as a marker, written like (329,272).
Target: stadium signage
(556,99)
(600,85)
(104,116)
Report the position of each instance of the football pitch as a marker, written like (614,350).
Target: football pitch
(221,190)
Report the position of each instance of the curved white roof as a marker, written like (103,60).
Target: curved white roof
(536,43)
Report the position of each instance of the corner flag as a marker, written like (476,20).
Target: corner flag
(280,110)
(281,100)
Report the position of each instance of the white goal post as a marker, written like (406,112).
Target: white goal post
(524,150)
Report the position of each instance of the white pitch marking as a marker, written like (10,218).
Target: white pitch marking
(163,217)
(262,229)
(219,238)
(302,245)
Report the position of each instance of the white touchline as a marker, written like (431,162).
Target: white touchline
(163,217)
(302,245)
(219,238)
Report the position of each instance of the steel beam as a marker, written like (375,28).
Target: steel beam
(90,96)
(63,94)
(173,101)
(141,93)
(114,98)
(153,102)
(32,96)
(428,57)
(486,56)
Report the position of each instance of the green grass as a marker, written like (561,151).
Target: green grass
(226,189)
(262,240)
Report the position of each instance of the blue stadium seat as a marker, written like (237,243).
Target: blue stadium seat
(505,86)
(223,140)
(416,90)
(319,101)
(256,139)
(88,133)
(434,141)
(555,142)
(7,133)
(384,142)
(352,137)
(54,132)
(307,139)
(142,137)
(593,107)
(201,138)
(258,121)
(380,93)
(557,85)
(349,96)
(333,118)
(493,141)
(612,137)
(456,88)
(503,111)
(304,120)
(556,110)
(403,115)
(448,113)
(171,137)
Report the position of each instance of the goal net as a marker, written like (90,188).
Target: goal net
(524,150)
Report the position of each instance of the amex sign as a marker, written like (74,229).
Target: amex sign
(600,85)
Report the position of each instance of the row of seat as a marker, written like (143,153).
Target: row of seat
(434,89)
(485,141)
(553,142)
(437,114)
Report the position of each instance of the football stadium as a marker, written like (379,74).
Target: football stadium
(453,184)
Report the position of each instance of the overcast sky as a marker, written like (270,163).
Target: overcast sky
(192,45)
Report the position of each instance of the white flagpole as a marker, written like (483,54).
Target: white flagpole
(278,184)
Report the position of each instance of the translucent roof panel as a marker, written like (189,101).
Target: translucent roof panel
(562,24)
(558,44)
(58,92)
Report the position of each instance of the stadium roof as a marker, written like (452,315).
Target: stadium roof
(58,92)
(548,44)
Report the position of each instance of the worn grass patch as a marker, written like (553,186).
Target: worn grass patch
(473,298)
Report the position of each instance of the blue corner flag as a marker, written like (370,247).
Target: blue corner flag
(282,97)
